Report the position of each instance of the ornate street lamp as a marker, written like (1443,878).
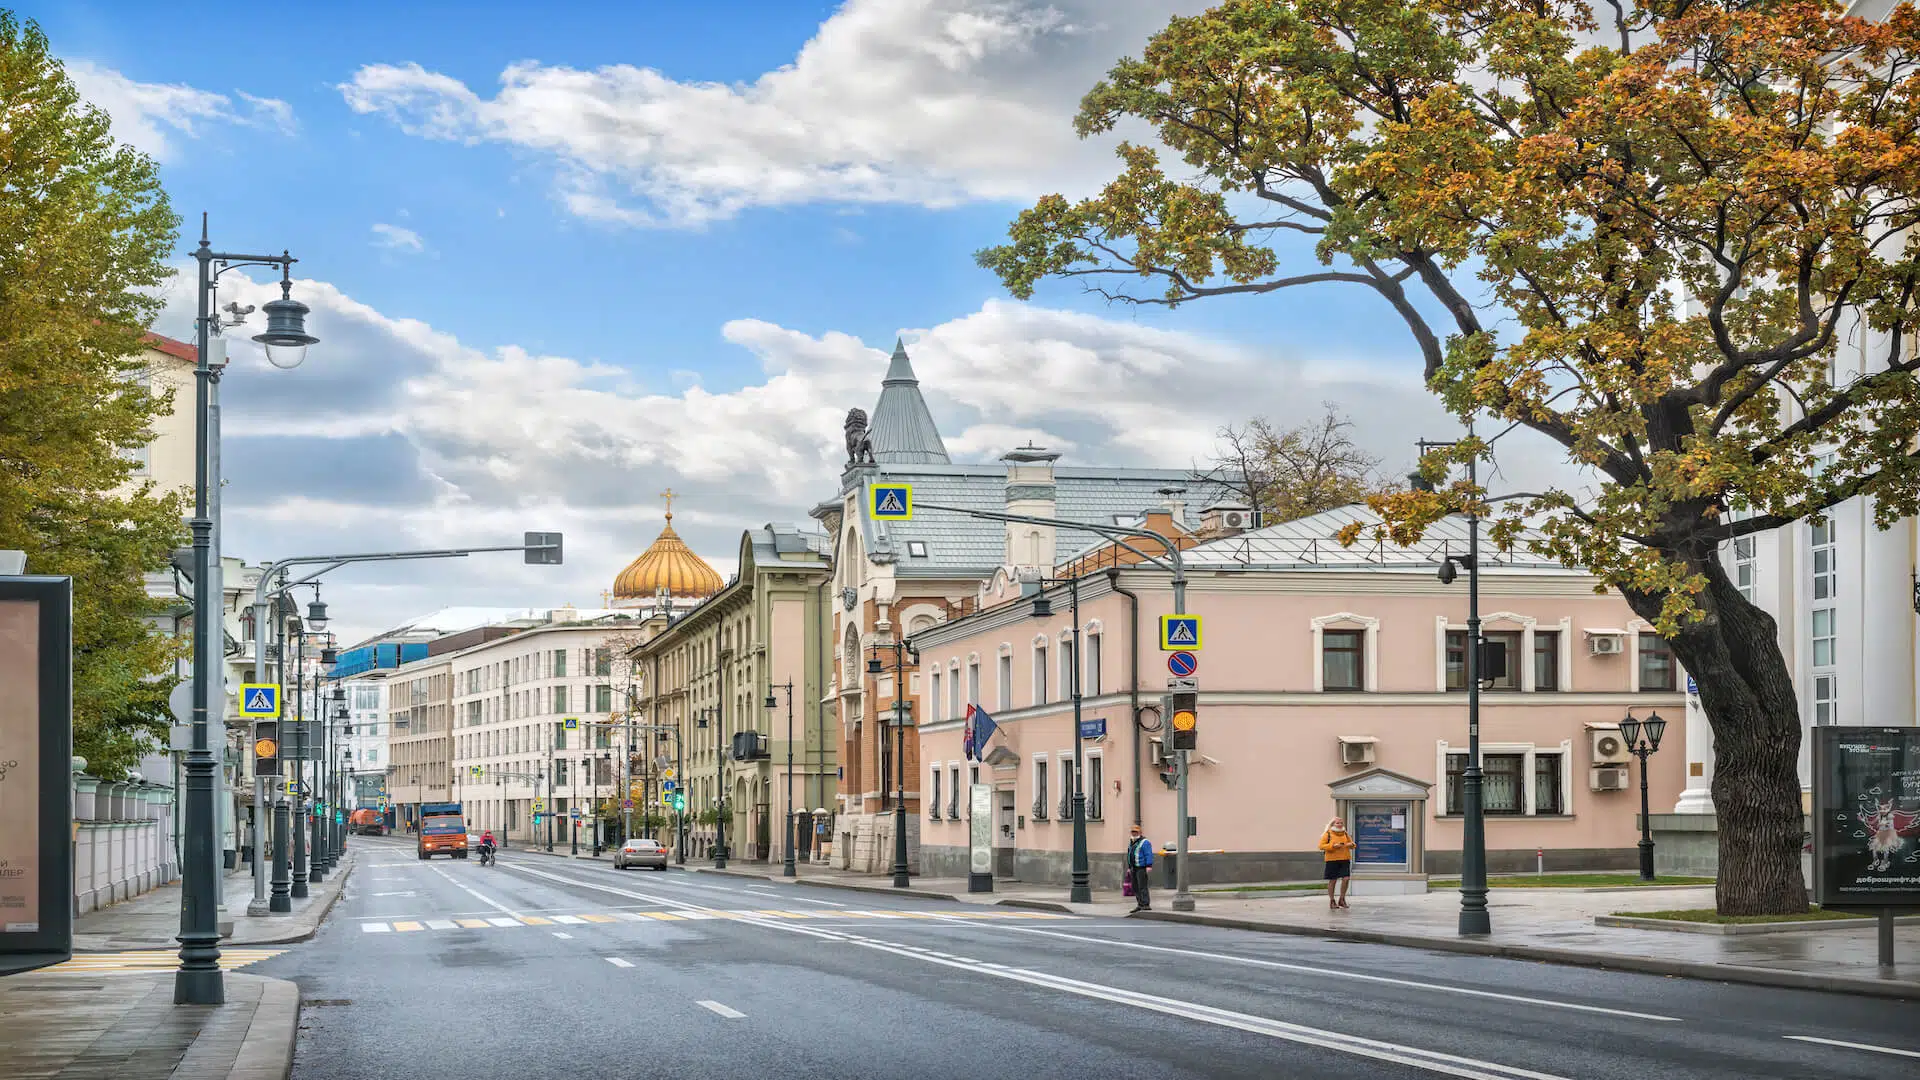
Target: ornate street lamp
(285,338)
(1630,731)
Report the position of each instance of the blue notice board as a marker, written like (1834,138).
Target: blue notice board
(1380,835)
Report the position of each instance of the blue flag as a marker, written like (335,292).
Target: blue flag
(980,728)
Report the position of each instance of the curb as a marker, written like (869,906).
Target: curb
(1729,973)
(266,1052)
(307,934)
(1729,929)
(888,890)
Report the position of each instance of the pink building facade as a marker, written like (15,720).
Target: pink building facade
(1319,664)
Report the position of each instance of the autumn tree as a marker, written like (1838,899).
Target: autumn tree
(1289,473)
(1672,237)
(84,232)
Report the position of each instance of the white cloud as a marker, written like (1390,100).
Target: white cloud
(397,435)
(147,115)
(397,238)
(928,102)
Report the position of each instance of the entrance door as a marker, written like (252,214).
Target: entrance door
(1003,834)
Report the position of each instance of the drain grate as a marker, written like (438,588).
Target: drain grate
(321,1002)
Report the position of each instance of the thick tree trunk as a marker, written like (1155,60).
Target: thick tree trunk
(1747,692)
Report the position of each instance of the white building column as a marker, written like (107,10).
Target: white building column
(1697,796)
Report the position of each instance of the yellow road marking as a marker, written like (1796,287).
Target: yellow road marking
(405,926)
(535,920)
(474,924)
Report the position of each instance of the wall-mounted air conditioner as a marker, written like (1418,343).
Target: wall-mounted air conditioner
(1606,642)
(1609,748)
(1356,749)
(1609,778)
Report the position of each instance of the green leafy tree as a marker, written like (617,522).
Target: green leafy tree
(1289,473)
(1671,236)
(84,232)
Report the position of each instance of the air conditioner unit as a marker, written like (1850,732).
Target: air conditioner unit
(1356,751)
(1609,778)
(1236,520)
(1606,644)
(1609,748)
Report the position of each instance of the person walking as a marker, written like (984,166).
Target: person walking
(1139,868)
(1337,847)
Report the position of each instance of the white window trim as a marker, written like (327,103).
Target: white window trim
(1088,646)
(939,769)
(1040,672)
(1003,688)
(1100,756)
(1564,748)
(1061,651)
(1634,628)
(956,691)
(1064,773)
(1035,799)
(1526,624)
(1347,620)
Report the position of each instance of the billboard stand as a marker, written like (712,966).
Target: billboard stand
(1866,827)
(36,772)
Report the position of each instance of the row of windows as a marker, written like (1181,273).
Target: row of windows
(1343,660)
(545,664)
(948,697)
(1049,774)
(524,703)
(526,737)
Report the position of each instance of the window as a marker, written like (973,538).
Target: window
(1457,659)
(559,736)
(917,549)
(1006,682)
(1546,659)
(1093,665)
(1823,637)
(603,698)
(559,663)
(559,771)
(1826,699)
(1066,789)
(1744,570)
(560,697)
(1342,659)
(933,694)
(973,682)
(1656,662)
(1040,769)
(953,797)
(1096,777)
(1067,679)
(933,804)
(1039,674)
(1546,784)
(603,661)
(373,753)
(1502,783)
(953,694)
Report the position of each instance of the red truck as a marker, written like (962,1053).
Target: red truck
(367,822)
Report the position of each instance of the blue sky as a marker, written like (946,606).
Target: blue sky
(562,261)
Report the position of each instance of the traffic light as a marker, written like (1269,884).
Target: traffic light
(536,819)
(266,748)
(1184,712)
(679,802)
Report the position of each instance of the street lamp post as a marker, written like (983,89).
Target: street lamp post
(1082,888)
(788,838)
(1630,730)
(296,813)
(720,807)
(198,980)
(903,653)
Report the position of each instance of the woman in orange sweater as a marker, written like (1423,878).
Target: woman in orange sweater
(1337,846)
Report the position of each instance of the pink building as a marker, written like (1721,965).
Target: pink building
(1319,664)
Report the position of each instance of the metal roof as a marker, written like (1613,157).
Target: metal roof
(903,431)
(958,546)
(1310,541)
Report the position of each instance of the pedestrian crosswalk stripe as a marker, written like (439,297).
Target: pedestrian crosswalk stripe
(604,918)
(375,927)
(535,920)
(406,926)
(440,924)
(473,924)
(598,918)
(569,920)
(149,960)
(504,922)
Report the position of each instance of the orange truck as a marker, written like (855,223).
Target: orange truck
(367,822)
(443,831)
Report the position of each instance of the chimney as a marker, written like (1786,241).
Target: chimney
(1171,498)
(1030,492)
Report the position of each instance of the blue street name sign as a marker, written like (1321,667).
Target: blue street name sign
(1094,729)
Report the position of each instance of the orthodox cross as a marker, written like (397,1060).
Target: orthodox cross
(669,496)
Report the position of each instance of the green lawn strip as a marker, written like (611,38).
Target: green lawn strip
(1308,886)
(1708,915)
(1572,881)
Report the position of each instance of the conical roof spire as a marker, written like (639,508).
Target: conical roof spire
(903,431)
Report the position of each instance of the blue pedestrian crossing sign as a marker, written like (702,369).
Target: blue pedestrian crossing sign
(571,723)
(259,701)
(891,502)
(1179,633)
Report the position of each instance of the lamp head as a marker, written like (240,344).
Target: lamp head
(317,614)
(1042,607)
(1418,482)
(1630,731)
(286,338)
(1656,727)
(874,667)
(770,701)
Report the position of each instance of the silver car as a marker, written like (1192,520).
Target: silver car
(640,853)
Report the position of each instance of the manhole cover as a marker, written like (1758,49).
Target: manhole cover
(326,1001)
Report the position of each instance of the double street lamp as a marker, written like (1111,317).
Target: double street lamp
(1630,731)
(903,654)
(789,837)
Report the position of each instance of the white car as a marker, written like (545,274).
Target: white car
(640,853)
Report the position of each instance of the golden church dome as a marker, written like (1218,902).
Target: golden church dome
(670,565)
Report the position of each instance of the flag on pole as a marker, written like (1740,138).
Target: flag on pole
(980,728)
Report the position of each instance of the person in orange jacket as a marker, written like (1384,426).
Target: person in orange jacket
(1337,846)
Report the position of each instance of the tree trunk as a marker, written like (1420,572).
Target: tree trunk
(1747,692)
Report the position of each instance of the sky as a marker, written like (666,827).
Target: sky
(561,263)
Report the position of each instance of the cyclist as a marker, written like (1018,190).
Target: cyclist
(486,846)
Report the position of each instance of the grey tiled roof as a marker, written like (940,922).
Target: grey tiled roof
(1309,541)
(959,546)
(777,538)
(902,430)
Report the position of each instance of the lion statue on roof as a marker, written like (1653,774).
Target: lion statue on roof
(859,443)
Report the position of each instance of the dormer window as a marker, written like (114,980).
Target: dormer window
(917,549)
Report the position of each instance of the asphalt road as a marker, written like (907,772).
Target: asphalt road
(542,967)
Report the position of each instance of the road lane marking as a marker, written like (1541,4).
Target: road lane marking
(504,922)
(714,1006)
(599,918)
(1336,973)
(375,927)
(617,962)
(440,924)
(458,884)
(473,924)
(406,927)
(535,920)
(630,916)
(822,903)
(569,920)
(567,937)
(1854,1045)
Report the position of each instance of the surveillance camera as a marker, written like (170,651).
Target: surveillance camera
(1447,572)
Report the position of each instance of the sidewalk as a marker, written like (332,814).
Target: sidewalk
(152,920)
(126,1027)
(1557,926)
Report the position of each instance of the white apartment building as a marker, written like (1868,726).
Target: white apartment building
(365,742)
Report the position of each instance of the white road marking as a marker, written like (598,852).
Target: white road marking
(408,892)
(506,922)
(376,927)
(569,920)
(715,1006)
(617,962)
(1336,973)
(821,903)
(487,900)
(558,934)
(441,924)
(1854,1045)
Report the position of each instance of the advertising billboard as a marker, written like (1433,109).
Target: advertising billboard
(1866,816)
(36,781)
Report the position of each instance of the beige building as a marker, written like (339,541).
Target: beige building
(706,676)
(420,708)
(168,460)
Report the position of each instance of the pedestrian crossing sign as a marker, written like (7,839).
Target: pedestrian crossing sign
(539,805)
(259,701)
(891,502)
(1179,633)
(571,723)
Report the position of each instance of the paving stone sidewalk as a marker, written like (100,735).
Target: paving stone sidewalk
(126,1027)
(152,920)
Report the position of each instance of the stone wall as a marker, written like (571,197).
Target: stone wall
(122,839)
(863,843)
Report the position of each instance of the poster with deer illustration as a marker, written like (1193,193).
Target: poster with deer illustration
(1866,806)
